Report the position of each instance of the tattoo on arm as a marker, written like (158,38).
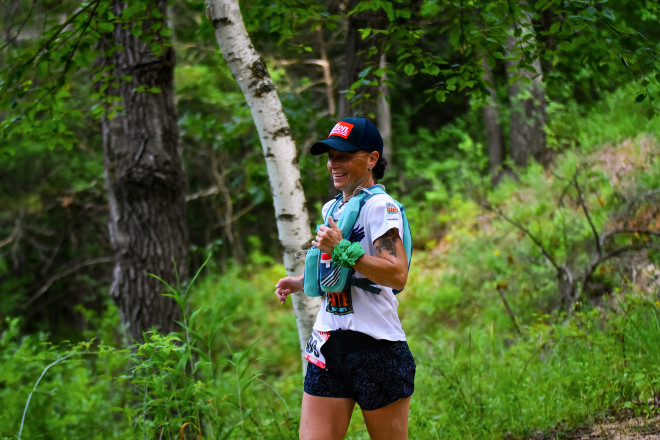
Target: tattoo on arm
(387,243)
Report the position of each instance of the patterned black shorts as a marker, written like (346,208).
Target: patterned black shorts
(373,377)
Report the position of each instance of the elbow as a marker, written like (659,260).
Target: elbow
(400,282)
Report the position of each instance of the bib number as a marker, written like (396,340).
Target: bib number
(313,348)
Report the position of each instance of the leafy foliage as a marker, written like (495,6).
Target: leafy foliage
(497,356)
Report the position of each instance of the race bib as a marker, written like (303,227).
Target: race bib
(313,348)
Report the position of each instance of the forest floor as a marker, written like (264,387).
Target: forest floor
(636,428)
(631,429)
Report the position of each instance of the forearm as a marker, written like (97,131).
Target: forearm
(382,271)
(297,283)
(288,285)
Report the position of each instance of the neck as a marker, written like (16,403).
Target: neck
(348,194)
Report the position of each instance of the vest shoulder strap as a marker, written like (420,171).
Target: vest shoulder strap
(352,211)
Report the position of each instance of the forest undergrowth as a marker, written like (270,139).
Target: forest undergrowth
(532,310)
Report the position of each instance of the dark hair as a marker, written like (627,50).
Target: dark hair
(379,170)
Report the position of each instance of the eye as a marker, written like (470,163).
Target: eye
(339,157)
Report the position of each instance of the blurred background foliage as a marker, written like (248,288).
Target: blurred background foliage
(503,348)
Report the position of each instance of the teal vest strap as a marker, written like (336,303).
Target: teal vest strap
(346,223)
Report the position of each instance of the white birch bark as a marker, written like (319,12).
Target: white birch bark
(279,149)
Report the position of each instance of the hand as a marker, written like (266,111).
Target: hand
(327,237)
(287,286)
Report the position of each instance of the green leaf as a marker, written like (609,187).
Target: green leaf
(640,97)
(404,13)
(389,10)
(409,69)
(541,5)
(105,27)
(554,28)
(650,113)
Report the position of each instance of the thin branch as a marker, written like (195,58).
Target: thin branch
(70,20)
(313,61)
(500,291)
(14,233)
(586,213)
(210,191)
(531,237)
(65,273)
(642,231)
(72,54)
(327,75)
(20,28)
(615,253)
(239,214)
(562,270)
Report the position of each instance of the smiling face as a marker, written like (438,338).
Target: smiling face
(351,169)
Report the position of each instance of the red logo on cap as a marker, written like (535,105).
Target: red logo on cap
(341,129)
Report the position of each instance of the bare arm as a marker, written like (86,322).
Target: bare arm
(389,267)
(287,286)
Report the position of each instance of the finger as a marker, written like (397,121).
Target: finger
(331,223)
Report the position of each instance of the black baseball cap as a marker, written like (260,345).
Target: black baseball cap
(351,134)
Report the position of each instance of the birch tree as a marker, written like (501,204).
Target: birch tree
(251,74)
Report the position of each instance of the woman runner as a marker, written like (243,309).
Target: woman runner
(358,351)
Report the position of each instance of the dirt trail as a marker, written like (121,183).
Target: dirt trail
(639,428)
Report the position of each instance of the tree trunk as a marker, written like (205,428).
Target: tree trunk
(492,123)
(356,58)
(327,76)
(144,178)
(383,114)
(527,103)
(251,74)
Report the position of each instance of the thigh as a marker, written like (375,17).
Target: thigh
(389,422)
(381,377)
(325,418)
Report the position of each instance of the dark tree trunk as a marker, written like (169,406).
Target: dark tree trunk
(144,178)
(356,59)
(492,123)
(383,114)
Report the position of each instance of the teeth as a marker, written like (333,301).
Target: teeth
(339,175)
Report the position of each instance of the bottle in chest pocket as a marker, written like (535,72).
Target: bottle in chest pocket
(329,273)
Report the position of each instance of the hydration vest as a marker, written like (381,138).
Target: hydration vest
(321,274)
